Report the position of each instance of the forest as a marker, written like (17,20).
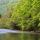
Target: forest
(24,16)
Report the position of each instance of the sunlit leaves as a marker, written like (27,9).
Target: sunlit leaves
(26,13)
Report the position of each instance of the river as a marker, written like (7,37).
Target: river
(18,35)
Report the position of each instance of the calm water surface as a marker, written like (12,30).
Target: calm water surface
(20,36)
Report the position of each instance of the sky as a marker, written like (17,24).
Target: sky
(3,4)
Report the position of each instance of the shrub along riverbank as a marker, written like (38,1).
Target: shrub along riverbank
(24,16)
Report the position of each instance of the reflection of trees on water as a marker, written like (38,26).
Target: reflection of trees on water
(36,37)
(2,36)
(31,37)
(23,36)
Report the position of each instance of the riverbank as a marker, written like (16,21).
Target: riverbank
(18,31)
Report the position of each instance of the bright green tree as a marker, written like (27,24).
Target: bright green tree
(27,14)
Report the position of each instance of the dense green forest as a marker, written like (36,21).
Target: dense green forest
(25,16)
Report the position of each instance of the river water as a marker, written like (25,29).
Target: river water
(20,36)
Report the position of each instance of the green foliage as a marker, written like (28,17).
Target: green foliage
(27,14)
(23,16)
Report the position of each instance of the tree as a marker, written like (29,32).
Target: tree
(27,14)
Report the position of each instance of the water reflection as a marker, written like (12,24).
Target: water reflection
(19,36)
(36,37)
(31,36)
